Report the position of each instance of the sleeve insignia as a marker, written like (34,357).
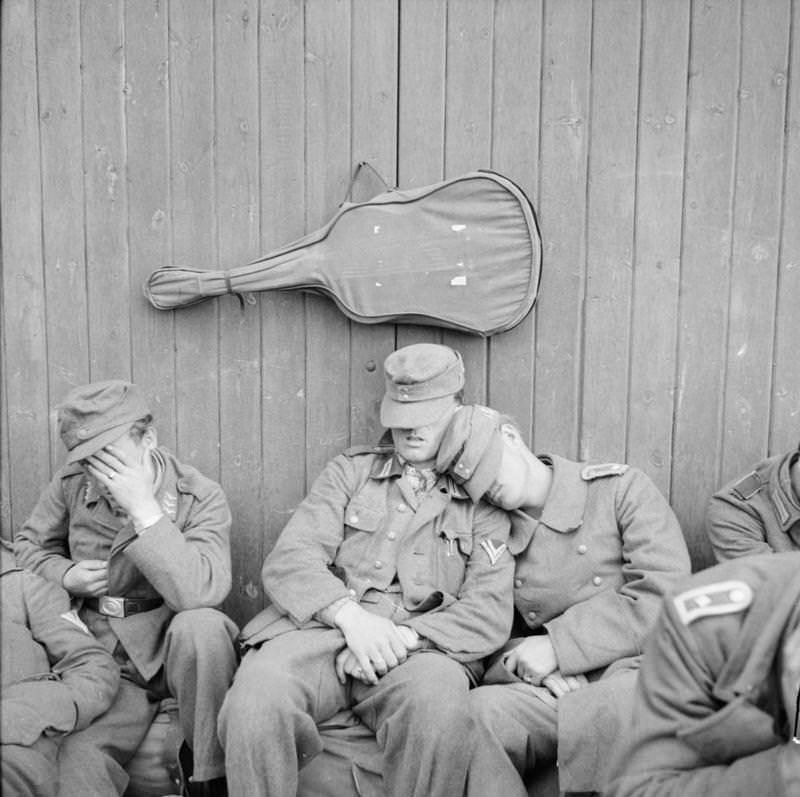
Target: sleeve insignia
(604,469)
(724,597)
(493,551)
(72,617)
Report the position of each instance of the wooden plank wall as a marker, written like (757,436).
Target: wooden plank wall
(658,139)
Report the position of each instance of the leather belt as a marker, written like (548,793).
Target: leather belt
(122,607)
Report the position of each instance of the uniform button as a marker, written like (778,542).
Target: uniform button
(353,519)
(401,507)
(378,565)
(518,582)
(582,549)
(352,593)
(531,615)
(597,581)
(391,535)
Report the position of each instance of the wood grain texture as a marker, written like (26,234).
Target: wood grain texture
(659,142)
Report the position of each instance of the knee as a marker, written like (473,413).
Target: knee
(202,629)
(486,708)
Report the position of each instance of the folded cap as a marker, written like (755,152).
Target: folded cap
(472,450)
(92,416)
(420,382)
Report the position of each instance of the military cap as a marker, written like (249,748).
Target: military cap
(472,449)
(421,380)
(92,416)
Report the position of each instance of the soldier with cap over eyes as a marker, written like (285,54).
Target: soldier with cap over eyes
(596,547)
(758,512)
(141,542)
(388,586)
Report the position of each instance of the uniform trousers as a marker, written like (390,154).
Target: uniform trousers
(418,711)
(199,664)
(517,730)
(30,771)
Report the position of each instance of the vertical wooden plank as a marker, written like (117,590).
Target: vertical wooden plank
(106,189)
(515,153)
(237,193)
(191,80)
(58,42)
(659,197)
(610,217)
(147,140)
(468,139)
(562,201)
(756,222)
(6,529)
(706,256)
(374,132)
(25,352)
(283,350)
(421,109)
(785,399)
(328,167)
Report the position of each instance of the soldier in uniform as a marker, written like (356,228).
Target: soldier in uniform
(56,679)
(387,587)
(716,711)
(759,512)
(141,541)
(596,547)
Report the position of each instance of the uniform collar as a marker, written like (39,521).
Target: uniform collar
(565,504)
(388,464)
(781,493)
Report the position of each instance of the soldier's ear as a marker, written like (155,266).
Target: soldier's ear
(150,438)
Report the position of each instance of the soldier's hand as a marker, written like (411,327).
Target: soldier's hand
(533,659)
(347,664)
(374,641)
(88,579)
(128,480)
(558,685)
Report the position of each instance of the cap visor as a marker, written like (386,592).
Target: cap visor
(84,450)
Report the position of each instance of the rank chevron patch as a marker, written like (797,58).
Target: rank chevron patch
(494,552)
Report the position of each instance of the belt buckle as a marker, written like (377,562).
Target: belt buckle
(112,607)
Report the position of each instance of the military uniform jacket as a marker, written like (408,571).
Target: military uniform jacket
(184,558)
(756,514)
(709,720)
(56,677)
(362,534)
(591,572)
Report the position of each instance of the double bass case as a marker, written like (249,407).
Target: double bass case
(462,254)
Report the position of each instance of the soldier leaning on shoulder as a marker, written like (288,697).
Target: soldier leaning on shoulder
(759,512)
(596,546)
(141,541)
(716,712)
(56,679)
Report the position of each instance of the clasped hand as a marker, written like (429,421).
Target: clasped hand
(374,646)
(534,660)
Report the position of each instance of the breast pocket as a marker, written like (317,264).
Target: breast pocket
(453,549)
(361,521)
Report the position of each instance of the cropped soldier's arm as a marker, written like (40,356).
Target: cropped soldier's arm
(83,677)
(673,695)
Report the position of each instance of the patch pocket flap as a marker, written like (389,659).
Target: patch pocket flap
(362,517)
(737,730)
(463,538)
